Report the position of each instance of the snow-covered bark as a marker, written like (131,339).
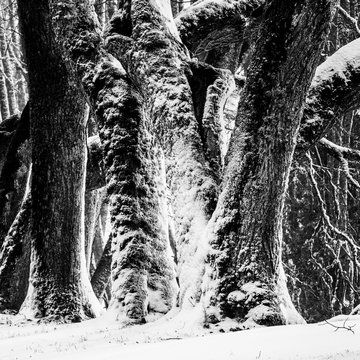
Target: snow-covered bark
(15,257)
(209,24)
(158,63)
(335,89)
(142,273)
(246,279)
(142,278)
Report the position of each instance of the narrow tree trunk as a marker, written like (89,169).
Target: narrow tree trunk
(93,203)
(101,276)
(4,103)
(14,170)
(15,258)
(17,57)
(8,71)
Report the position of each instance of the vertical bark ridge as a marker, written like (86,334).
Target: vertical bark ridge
(249,283)
(140,264)
(157,63)
(59,288)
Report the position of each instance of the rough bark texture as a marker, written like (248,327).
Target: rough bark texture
(210,24)
(15,161)
(158,63)
(248,281)
(140,268)
(138,237)
(59,287)
(15,259)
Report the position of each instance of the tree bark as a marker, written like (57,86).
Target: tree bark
(14,169)
(334,91)
(15,258)
(212,24)
(59,288)
(246,279)
(142,272)
(158,63)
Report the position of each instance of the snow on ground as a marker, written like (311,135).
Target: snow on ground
(174,339)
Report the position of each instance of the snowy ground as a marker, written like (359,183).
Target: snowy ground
(175,339)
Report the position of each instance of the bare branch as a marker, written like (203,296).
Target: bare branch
(350,241)
(352,21)
(342,154)
(340,151)
(348,327)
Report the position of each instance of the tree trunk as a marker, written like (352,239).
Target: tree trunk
(158,63)
(14,169)
(142,272)
(4,103)
(246,279)
(8,71)
(101,276)
(59,287)
(15,258)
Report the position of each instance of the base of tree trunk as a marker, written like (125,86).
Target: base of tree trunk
(50,303)
(254,303)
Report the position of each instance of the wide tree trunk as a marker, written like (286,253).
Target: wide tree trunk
(246,279)
(59,287)
(142,272)
(157,62)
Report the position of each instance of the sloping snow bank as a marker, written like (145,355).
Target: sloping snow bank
(297,342)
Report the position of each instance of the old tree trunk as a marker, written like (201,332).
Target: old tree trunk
(184,205)
(246,279)
(58,285)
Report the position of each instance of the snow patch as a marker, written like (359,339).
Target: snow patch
(164,8)
(339,63)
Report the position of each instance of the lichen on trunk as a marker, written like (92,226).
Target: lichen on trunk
(59,288)
(246,281)
(140,263)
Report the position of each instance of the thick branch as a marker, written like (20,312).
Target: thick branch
(342,154)
(352,21)
(207,24)
(335,89)
(338,151)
